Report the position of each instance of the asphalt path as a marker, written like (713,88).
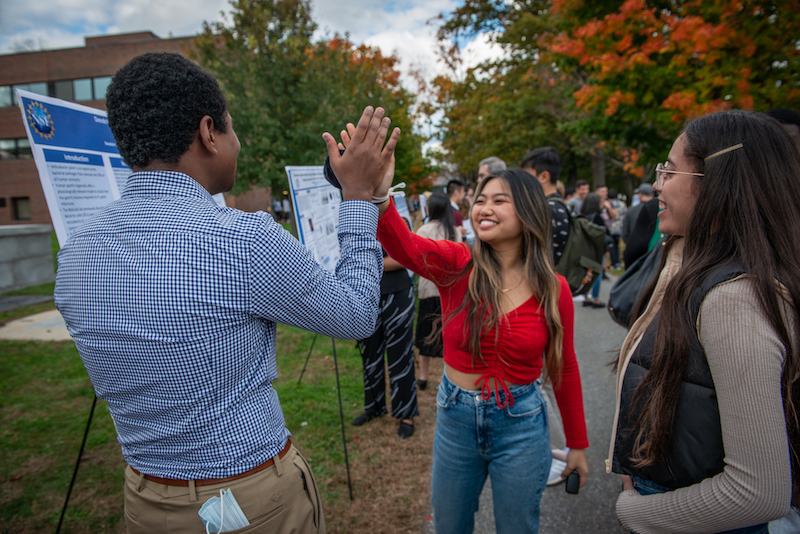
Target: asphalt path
(597,340)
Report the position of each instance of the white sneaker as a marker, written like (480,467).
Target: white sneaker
(556,468)
(560,454)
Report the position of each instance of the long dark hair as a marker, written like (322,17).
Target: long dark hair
(482,300)
(439,209)
(745,212)
(590,204)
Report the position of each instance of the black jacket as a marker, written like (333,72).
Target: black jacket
(696,450)
(641,231)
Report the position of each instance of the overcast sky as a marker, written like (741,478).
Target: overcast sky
(399,26)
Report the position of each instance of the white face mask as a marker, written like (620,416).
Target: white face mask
(222,514)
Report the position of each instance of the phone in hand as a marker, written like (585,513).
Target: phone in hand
(573,482)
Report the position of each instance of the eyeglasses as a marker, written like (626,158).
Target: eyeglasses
(662,171)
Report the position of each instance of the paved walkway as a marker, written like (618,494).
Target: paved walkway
(45,326)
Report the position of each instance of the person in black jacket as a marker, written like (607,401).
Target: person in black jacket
(645,192)
(591,209)
(642,230)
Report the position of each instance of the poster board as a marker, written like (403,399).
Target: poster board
(77,159)
(315,206)
(402,208)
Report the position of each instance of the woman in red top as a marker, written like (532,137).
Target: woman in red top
(506,314)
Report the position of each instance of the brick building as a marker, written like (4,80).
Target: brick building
(79,75)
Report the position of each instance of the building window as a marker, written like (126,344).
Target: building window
(2,202)
(15,149)
(40,88)
(83,89)
(63,90)
(8,149)
(5,96)
(24,148)
(75,90)
(22,208)
(100,87)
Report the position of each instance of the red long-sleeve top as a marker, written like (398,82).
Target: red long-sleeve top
(513,350)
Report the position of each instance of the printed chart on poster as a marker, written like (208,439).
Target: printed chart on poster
(77,158)
(315,203)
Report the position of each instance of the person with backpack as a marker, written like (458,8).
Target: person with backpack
(545,165)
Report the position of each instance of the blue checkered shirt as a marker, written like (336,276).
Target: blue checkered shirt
(173,304)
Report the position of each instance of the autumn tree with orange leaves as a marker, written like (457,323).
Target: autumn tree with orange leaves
(645,67)
(285,89)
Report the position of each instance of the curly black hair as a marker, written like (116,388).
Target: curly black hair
(155,103)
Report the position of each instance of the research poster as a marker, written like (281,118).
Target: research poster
(315,204)
(77,158)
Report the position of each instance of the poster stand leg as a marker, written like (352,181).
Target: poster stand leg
(341,418)
(307,357)
(78,463)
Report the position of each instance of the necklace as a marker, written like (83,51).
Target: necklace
(515,287)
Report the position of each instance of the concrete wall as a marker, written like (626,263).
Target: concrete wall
(26,256)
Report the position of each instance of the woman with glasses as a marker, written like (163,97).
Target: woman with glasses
(707,433)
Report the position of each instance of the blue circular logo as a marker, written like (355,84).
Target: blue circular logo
(40,120)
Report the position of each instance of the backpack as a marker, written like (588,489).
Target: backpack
(582,259)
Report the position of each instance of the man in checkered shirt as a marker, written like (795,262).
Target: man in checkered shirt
(173,303)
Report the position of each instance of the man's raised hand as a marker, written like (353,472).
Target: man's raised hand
(363,166)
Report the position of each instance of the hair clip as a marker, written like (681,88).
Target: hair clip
(724,151)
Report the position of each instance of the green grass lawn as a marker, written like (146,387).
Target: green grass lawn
(46,398)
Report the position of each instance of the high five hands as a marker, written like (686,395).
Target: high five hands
(363,167)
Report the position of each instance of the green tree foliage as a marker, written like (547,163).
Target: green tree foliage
(284,89)
(506,107)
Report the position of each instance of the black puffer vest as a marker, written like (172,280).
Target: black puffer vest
(696,451)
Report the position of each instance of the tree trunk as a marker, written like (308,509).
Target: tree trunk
(598,169)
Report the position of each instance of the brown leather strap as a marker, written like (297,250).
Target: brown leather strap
(210,481)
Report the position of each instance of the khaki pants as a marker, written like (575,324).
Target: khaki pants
(282,498)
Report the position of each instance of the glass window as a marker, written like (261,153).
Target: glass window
(15,149)
(8,149)
(22,208)
(5,96)
(40,88)
(100,86)
(23,86)
(63,90)
(82,89)
(24,148)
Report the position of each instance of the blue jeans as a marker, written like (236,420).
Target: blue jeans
(596,286)
(475,438)
(645,487)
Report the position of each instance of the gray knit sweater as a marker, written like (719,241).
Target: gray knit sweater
(746,358)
